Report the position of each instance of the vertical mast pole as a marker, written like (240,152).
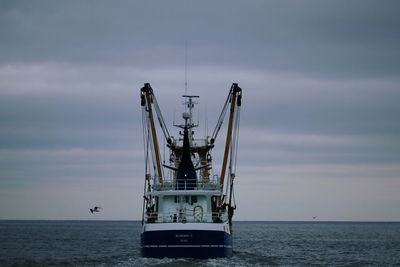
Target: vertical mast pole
(153,132)
(228,136)
(186,67)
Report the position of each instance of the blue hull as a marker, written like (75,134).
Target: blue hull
(200,244)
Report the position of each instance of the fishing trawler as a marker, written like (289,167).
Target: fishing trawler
(187,207)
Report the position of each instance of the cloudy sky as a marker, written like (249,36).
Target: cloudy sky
(320,131)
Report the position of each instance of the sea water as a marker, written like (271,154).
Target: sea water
(117,243)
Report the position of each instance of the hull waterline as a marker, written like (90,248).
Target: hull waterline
(199,244)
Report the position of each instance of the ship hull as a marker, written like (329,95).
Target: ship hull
(186,244)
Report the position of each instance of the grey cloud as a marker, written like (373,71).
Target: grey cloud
(320,99)
(77,108)
(337,39)
(356,150)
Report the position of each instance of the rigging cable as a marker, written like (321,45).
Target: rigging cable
(161,119)
(146,134)
(220,119)
(236,140)
(233,154)
(237,122)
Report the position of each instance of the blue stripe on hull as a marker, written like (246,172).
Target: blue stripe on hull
(186,244)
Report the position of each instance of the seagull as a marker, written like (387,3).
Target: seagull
(96,209)
(314,217)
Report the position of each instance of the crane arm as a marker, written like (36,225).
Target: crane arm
(146,96)
(149,91)
(235,97)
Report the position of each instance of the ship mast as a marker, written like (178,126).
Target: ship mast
(148,100)
(189,105)
(231,149)
(235,100)
(146,96)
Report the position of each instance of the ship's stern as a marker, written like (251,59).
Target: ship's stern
(167,241)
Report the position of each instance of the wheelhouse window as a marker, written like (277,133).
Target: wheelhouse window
(185,199)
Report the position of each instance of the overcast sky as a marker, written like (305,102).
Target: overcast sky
(320,131)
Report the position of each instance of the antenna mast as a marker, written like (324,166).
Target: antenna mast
(186,67)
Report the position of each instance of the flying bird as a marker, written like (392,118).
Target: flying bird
(96,209)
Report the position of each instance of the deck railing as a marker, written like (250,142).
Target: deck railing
(189,184)
(186,216)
